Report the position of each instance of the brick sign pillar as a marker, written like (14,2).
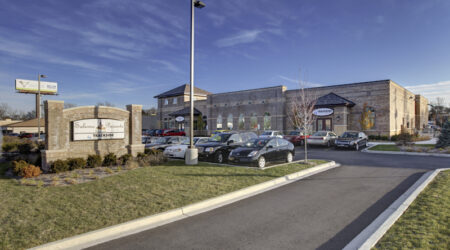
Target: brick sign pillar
(136,145)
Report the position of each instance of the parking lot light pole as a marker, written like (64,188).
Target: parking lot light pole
(192,153)
(38,105)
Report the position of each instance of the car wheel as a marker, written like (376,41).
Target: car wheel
(219,157)
(261,162)
(289,157)
(357,147)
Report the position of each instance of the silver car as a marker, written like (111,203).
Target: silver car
(323,138)
(271,133)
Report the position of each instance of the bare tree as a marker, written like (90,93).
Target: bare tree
(105,103)
(150,111)
(69,105)
(4,110)
(301,113)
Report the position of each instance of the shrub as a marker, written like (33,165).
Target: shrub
(94,161)
(60,166)
(19,166)
(444,137)
(9,147)
(150,151)
(140,155)
(110,160)
(76,163)
(124,159)
(25,147)
(152,159)
(394,138)
(31,171)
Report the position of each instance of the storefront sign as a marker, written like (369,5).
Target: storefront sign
(30,86)
(322,112)
(179,119)
(98,129)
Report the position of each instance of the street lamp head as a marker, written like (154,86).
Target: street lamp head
(43,76)
(199,4)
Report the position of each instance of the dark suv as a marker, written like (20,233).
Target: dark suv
(220,145)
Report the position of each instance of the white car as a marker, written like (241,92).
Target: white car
(271,133)
(323,138)
(179,151)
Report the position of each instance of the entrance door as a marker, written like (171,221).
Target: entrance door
(324,124)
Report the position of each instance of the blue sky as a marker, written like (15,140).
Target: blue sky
(128,51)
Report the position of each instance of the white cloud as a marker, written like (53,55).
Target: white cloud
(433,90)
(301,83)
(247,36)
(217,19)
(168,65)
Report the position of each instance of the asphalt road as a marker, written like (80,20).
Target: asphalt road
(324,211)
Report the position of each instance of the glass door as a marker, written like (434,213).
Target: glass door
(324,124)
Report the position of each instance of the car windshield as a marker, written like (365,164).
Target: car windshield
(349,135)
(256,143)
(186,141)
(267,133)
(294,133)
(219,138)
(162,140)
(320,133)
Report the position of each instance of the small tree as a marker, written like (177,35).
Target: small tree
(301,113)
(444,137)
(365,121)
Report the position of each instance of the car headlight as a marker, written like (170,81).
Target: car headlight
(210,149)
(177,150)
(253,153)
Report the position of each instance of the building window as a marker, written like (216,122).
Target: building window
(267,121)
(241,123)
(166,101)
(219,122)
(230,122)
(254,122)
(175,100)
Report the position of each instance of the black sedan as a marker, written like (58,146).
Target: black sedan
(351,139)
(261,150)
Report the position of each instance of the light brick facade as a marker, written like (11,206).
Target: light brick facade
(392,106)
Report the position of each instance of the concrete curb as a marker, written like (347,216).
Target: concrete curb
(366,150)
(375,231)
(138,225)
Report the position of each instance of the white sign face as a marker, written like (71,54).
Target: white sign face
(29,86)
(98,129)
(179,119)
(323,112)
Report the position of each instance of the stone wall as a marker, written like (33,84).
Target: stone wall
(249,103)
(421,112)
(59,141)
(402,109)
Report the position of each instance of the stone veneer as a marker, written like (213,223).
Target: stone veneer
(59,142)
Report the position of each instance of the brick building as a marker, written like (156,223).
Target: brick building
(389,105)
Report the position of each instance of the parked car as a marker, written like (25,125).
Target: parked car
(297,137)
(351,139)
(219,131)
(259,151)
(162,143)
(219,146)
(173,132)
(25,135)
(271,133)
(12,134)
(324,138)
(179,151)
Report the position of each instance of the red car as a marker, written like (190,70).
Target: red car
(173,132)
(25,135)
(296,137)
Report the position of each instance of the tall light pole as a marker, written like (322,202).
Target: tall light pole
(192,153)
(38,104)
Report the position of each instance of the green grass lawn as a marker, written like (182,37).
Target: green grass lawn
(426,223)
(31,215)
(389,147)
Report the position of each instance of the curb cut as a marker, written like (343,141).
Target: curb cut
(138,225)
(366,150)
(375,231)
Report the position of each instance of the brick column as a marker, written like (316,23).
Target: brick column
(135,130)
(54,133)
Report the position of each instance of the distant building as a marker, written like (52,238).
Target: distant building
(391,107)
(5,123)
(30,126)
